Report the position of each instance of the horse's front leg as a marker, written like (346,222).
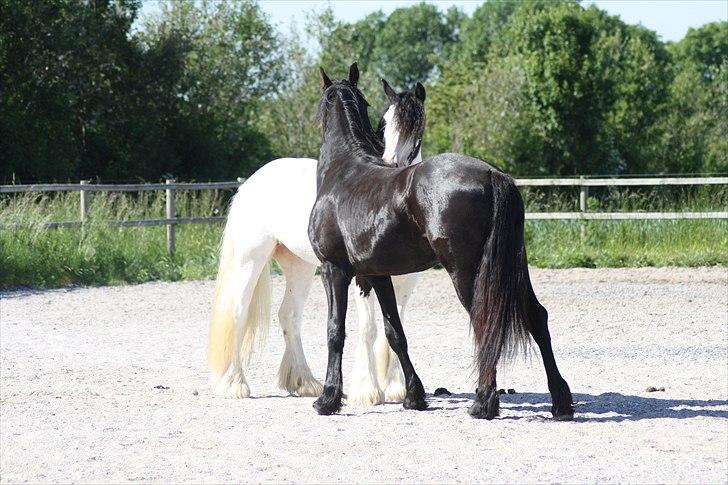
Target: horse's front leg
(415,396)
(364,388)
(391,377)
(336,283)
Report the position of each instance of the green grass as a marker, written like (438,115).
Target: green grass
(613,244)
(97,254)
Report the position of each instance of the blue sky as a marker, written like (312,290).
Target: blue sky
(670,19)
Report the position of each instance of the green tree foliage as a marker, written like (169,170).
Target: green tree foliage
(84,97)
(561,90)
(695,124)
(404,48)
(63,83)
(210,90)
(233,60)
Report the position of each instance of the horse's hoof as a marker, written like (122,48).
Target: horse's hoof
(480,411)
(365,396)
(232,388)
(486,410)
(563,414)
(310,388)
(326,405)
(564,417)
(416,403)
(395,391)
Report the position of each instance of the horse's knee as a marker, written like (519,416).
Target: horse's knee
(335,338)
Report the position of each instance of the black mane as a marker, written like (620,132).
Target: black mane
(352,106)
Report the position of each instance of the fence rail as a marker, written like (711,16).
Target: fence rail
(171,221)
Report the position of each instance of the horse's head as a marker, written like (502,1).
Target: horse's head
(403,125)
(345,98)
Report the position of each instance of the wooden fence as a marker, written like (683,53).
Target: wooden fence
(171,220)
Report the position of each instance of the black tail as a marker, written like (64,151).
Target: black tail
(499,311)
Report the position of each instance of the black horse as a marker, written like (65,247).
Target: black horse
(375,221)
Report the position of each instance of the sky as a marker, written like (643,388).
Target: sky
(669,18)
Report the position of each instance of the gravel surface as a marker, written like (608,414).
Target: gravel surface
(109,385)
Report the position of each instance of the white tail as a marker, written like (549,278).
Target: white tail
(238,314)
(258,321)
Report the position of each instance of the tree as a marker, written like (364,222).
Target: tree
(234,60)
(63,70)
(695,125)
(563,90)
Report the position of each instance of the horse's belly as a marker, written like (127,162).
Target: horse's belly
(393,257)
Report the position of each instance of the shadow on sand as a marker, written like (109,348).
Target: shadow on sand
(620,407)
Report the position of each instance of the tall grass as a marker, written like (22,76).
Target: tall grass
(97,254)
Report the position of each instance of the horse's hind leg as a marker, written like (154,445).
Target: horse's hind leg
(415,397)
(244,289)
(294,374)
(487,402)
(562,405)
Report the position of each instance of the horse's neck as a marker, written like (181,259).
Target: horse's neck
(342,139)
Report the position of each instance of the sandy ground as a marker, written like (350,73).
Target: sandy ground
(79,368)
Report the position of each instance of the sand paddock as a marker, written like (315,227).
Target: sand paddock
(80,370)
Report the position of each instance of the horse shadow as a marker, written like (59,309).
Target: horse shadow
(608,407)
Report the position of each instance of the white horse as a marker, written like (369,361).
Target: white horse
(268,219)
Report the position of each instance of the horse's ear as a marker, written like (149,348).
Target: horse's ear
(325,81)
(391,95)
(420,92)
(354,74)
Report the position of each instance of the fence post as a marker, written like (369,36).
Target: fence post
(170,215)
(583,194)
(85,201)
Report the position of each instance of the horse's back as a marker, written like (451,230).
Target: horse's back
(452,198)
(277,200)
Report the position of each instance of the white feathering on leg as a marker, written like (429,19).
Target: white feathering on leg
(364,387)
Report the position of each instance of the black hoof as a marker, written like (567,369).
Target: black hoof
(485,407)
(565,414)
(328,403)
(564,417)
(562,407)
(416,403)
(481,411)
